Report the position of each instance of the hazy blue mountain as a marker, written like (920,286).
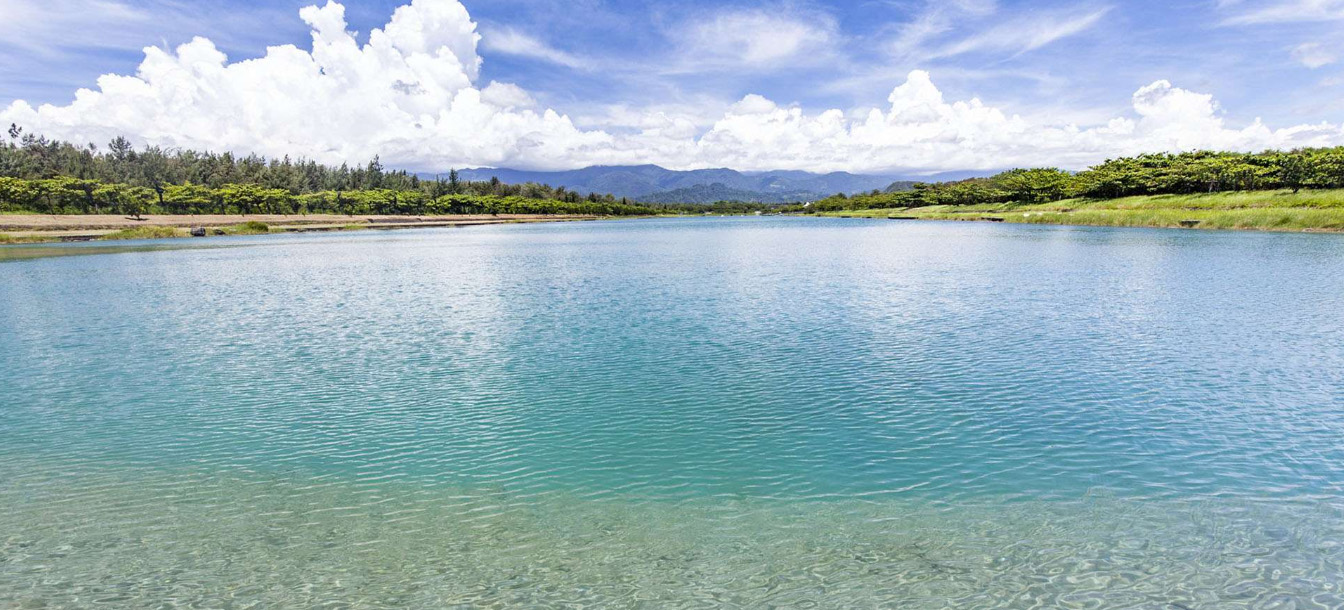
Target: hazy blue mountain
(711,193)
(655,184)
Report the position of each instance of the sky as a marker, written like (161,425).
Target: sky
(895,87)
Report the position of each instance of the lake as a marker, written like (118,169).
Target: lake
(662,413)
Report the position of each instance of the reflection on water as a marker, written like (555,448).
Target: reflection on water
(668,413)
(32,251)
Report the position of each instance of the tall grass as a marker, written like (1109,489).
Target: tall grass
(251,227)
(6,238)
(1259,210)
(1269,219)
(145,232)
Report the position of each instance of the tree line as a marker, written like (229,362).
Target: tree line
(79,196)
(1152,174)
(42,175)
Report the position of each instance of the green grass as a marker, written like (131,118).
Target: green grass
(251,227)
(6,238)
(1261,210)
(1266,219)
(145,232)
(1217,201)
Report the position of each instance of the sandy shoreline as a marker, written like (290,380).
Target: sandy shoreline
(84,227)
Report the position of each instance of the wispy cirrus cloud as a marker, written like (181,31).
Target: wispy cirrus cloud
(46,28)
(1314,19)
(1242,12)
(1028,33)
(510,41)
(56,27)
(933,20)
(948,29)
(755,39)
(1315,55)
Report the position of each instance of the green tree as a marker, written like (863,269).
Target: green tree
(1035,185)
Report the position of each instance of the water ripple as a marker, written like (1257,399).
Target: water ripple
(679,413)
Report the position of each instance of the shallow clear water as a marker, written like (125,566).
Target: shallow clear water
(679,413)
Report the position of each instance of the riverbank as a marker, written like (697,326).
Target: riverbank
(42,228)
(1321,211)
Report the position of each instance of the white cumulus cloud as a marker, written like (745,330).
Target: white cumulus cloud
(412,94)
(409,94)
(921,130)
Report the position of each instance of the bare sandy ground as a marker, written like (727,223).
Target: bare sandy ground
(39,223)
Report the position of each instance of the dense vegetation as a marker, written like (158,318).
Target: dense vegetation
(1155,174)
(49,176)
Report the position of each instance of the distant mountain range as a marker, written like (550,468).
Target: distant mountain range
(710,193)
(653,184)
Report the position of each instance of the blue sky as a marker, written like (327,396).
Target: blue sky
(695,84)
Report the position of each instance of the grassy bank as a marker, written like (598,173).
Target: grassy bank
(7,239)
(1258,210)
(147,232)
(248,228)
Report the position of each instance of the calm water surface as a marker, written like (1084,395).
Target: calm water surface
(679,413)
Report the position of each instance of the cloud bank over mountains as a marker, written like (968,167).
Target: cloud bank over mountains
(412,93)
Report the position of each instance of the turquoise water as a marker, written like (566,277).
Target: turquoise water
(736,412)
